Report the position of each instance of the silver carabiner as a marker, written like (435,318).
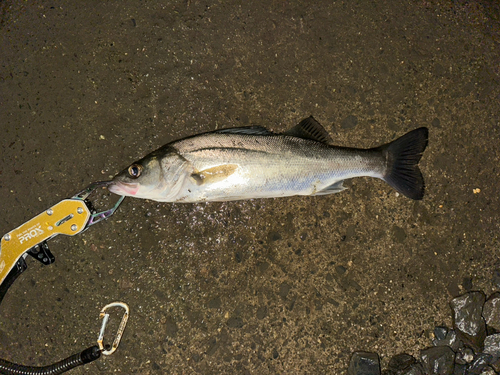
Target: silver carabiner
(105,318)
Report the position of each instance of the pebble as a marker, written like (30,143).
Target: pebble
(479,364)
(488,371)
(464,356)
(467,319)
(492,346)
(496,279)
(460,369)
(464,350)
(491,311)
(438,360)
(404,364)
(364,363)
(439,334)
(446,337)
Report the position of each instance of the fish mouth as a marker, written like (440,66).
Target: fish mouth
(122,188)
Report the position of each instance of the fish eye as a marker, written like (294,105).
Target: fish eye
(134,170)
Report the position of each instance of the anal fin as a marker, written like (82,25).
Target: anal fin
(337,187)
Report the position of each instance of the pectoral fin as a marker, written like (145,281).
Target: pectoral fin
(337,187)
(214,174)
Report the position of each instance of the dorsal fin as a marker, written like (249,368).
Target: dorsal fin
(309,128)
(249,130)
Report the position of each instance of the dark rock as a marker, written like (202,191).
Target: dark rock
(214,303)
(496,279)
(488,370)
(349,122)
(155,366)
(171,327)
(415,369)
(460,369)
(340,270)
(492,346)
(399,234)
(491,311)
(261,312)
(467,283)
(440,334)
(275,354)
(479,364)
(212,346)
(464,356)
(235,322)
(438,360)
(364,363)
(273,236)
(453,289)
(467,319)
(450,338)
(332,302)
(496,365)
(263,266)
(401,361)
(284,289)
(404,364)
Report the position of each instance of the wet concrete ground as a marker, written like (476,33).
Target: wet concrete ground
(290,285)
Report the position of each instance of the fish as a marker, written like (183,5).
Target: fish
(254,162)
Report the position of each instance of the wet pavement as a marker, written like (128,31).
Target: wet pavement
(292,285)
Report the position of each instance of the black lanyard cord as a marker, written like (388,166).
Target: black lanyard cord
(86,356)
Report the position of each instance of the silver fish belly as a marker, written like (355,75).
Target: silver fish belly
(245,163)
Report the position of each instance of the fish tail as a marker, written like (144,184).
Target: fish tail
(402,156)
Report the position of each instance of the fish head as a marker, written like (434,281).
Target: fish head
(140,180)
(157,176)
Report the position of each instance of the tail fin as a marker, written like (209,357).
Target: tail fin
(402,157)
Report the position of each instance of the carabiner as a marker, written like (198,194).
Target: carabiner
(105,318)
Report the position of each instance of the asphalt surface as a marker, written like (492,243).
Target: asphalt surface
(291,285)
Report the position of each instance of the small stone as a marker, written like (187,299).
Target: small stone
(340,270)
(464,356)
(349,122)
(214,303)
(275,354)
(460,369)
(479,364)
(467,283)
(261,312)
(404,364)
(440,334)
(467,319)
(401,362)
(436,123)
(488,371)
(496,279)
(399,234)
(364,363)
(491,311)
(415,369)
(438,360)
(450,339)
(496,365)
(170,327)
(284,289)
(235,322)
(492,346)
